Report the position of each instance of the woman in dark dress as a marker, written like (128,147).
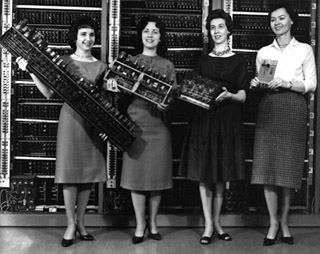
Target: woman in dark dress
(280,134)
(213,152)
(147,170)
(80,151)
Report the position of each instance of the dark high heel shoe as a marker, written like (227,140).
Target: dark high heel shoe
(155,236)
(139,239)
(268,241)
(287,239)
(223,236)
(86,237)
(205,240)
(66,243)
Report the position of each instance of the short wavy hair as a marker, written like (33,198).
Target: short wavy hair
(162,47)
(285,5)
(220,14)
(82,21)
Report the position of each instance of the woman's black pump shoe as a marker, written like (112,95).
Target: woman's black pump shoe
(66,243)
(155,236)
(137,239)
(86,237)
(287,239)
(268,241)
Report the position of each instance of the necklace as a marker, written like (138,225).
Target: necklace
(88,57)
(221,53)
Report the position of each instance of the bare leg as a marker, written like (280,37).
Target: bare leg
(286,201)
(271,196)
(154,202)
(82,202)
(206,201)
(70,197)
(217,205)
(139,205)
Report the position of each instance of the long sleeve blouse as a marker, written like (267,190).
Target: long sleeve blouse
(295,63)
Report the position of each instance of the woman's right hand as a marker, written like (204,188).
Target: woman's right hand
(22,63)
(254,83)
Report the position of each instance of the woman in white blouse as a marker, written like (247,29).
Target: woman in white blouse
(280,135)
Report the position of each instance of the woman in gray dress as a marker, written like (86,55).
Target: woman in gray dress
(80,158)
(280,135)
(147,169)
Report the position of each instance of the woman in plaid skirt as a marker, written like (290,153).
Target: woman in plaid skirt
(280,135)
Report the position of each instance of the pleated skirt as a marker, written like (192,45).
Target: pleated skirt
(214,147)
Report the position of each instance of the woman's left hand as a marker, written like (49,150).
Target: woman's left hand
(111,85)
(225,95)
(162,107)
(277,82)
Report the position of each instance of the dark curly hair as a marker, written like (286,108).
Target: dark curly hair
(218,14)
(285,5)
(82,21)
(162,47)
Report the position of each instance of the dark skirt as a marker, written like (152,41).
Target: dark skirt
(213,149)
(280,140)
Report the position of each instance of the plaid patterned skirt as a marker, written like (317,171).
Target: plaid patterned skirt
(280,140)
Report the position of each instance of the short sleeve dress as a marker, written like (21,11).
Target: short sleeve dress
(80,156)
(147,164)
(213,149)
